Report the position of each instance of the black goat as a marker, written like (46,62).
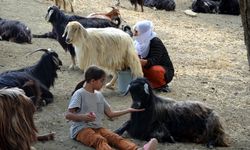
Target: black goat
(59,21)
(127,29)
(24,81)
(205,6)
(169,121)
(230,7)
(134,2)
(15,31)
(42,74)
(167,5)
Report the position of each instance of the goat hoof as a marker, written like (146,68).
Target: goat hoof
(210,144)
(117,4)
(44,103)
(72,67)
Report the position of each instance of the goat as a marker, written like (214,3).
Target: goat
(231,7)
(65,3)
(18,130)
(43,73)
(205,6)
(114,14)
(59,21)
(15,31)
(115,49)
(134,2)
(168,120)
(24,81)
(127,29)
(167,5)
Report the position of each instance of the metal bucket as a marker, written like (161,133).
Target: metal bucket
(124,78)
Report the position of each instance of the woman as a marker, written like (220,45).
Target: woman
(155,61)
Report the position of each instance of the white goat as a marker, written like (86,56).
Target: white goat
(110,48)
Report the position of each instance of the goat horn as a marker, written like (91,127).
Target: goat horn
(41,49)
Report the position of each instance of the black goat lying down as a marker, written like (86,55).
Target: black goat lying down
(59,21)
(41,76)
(24,81)
(230,7)
(205,6)
(169,121)
(167,5)
(15,31)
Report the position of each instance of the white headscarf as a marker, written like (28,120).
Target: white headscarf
(145,34)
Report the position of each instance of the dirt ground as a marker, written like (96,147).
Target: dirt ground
(207,51)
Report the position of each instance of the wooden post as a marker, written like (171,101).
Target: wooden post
(245,18)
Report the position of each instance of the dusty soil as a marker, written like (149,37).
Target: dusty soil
(208,53)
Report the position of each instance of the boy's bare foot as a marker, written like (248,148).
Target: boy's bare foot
(151,145)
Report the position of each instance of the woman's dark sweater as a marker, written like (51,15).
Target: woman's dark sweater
(158,55)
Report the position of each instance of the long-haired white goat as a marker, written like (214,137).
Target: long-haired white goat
(110,48)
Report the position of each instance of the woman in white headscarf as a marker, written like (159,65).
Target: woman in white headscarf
(156,63)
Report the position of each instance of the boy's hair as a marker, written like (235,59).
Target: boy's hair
(94,72)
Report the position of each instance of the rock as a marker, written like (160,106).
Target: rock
(189,12)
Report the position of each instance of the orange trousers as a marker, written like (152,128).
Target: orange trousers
(103,139)
(155,76)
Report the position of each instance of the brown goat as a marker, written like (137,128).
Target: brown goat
(17,121)
(113,14)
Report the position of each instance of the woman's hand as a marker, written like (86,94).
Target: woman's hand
(143,62)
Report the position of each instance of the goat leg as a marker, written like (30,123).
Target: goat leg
(161,133)
(142,6)
(71,7)
(123,128)
(135,6)
(118,3)
(111,84)
(46,137)
(51,35)
(47,96)
(73,65)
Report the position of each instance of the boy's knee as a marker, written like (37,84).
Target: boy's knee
(99,139)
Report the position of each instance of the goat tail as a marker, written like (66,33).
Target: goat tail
(134,62)
(216,133)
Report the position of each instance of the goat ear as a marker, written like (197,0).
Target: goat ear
(146,88)
(127,90)
(47,17)
(56,61)
(83,31)
(65,30)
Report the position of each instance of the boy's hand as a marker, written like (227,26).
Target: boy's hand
(135,110)
(89,117)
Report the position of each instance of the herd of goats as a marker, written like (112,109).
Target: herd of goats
(170,120)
